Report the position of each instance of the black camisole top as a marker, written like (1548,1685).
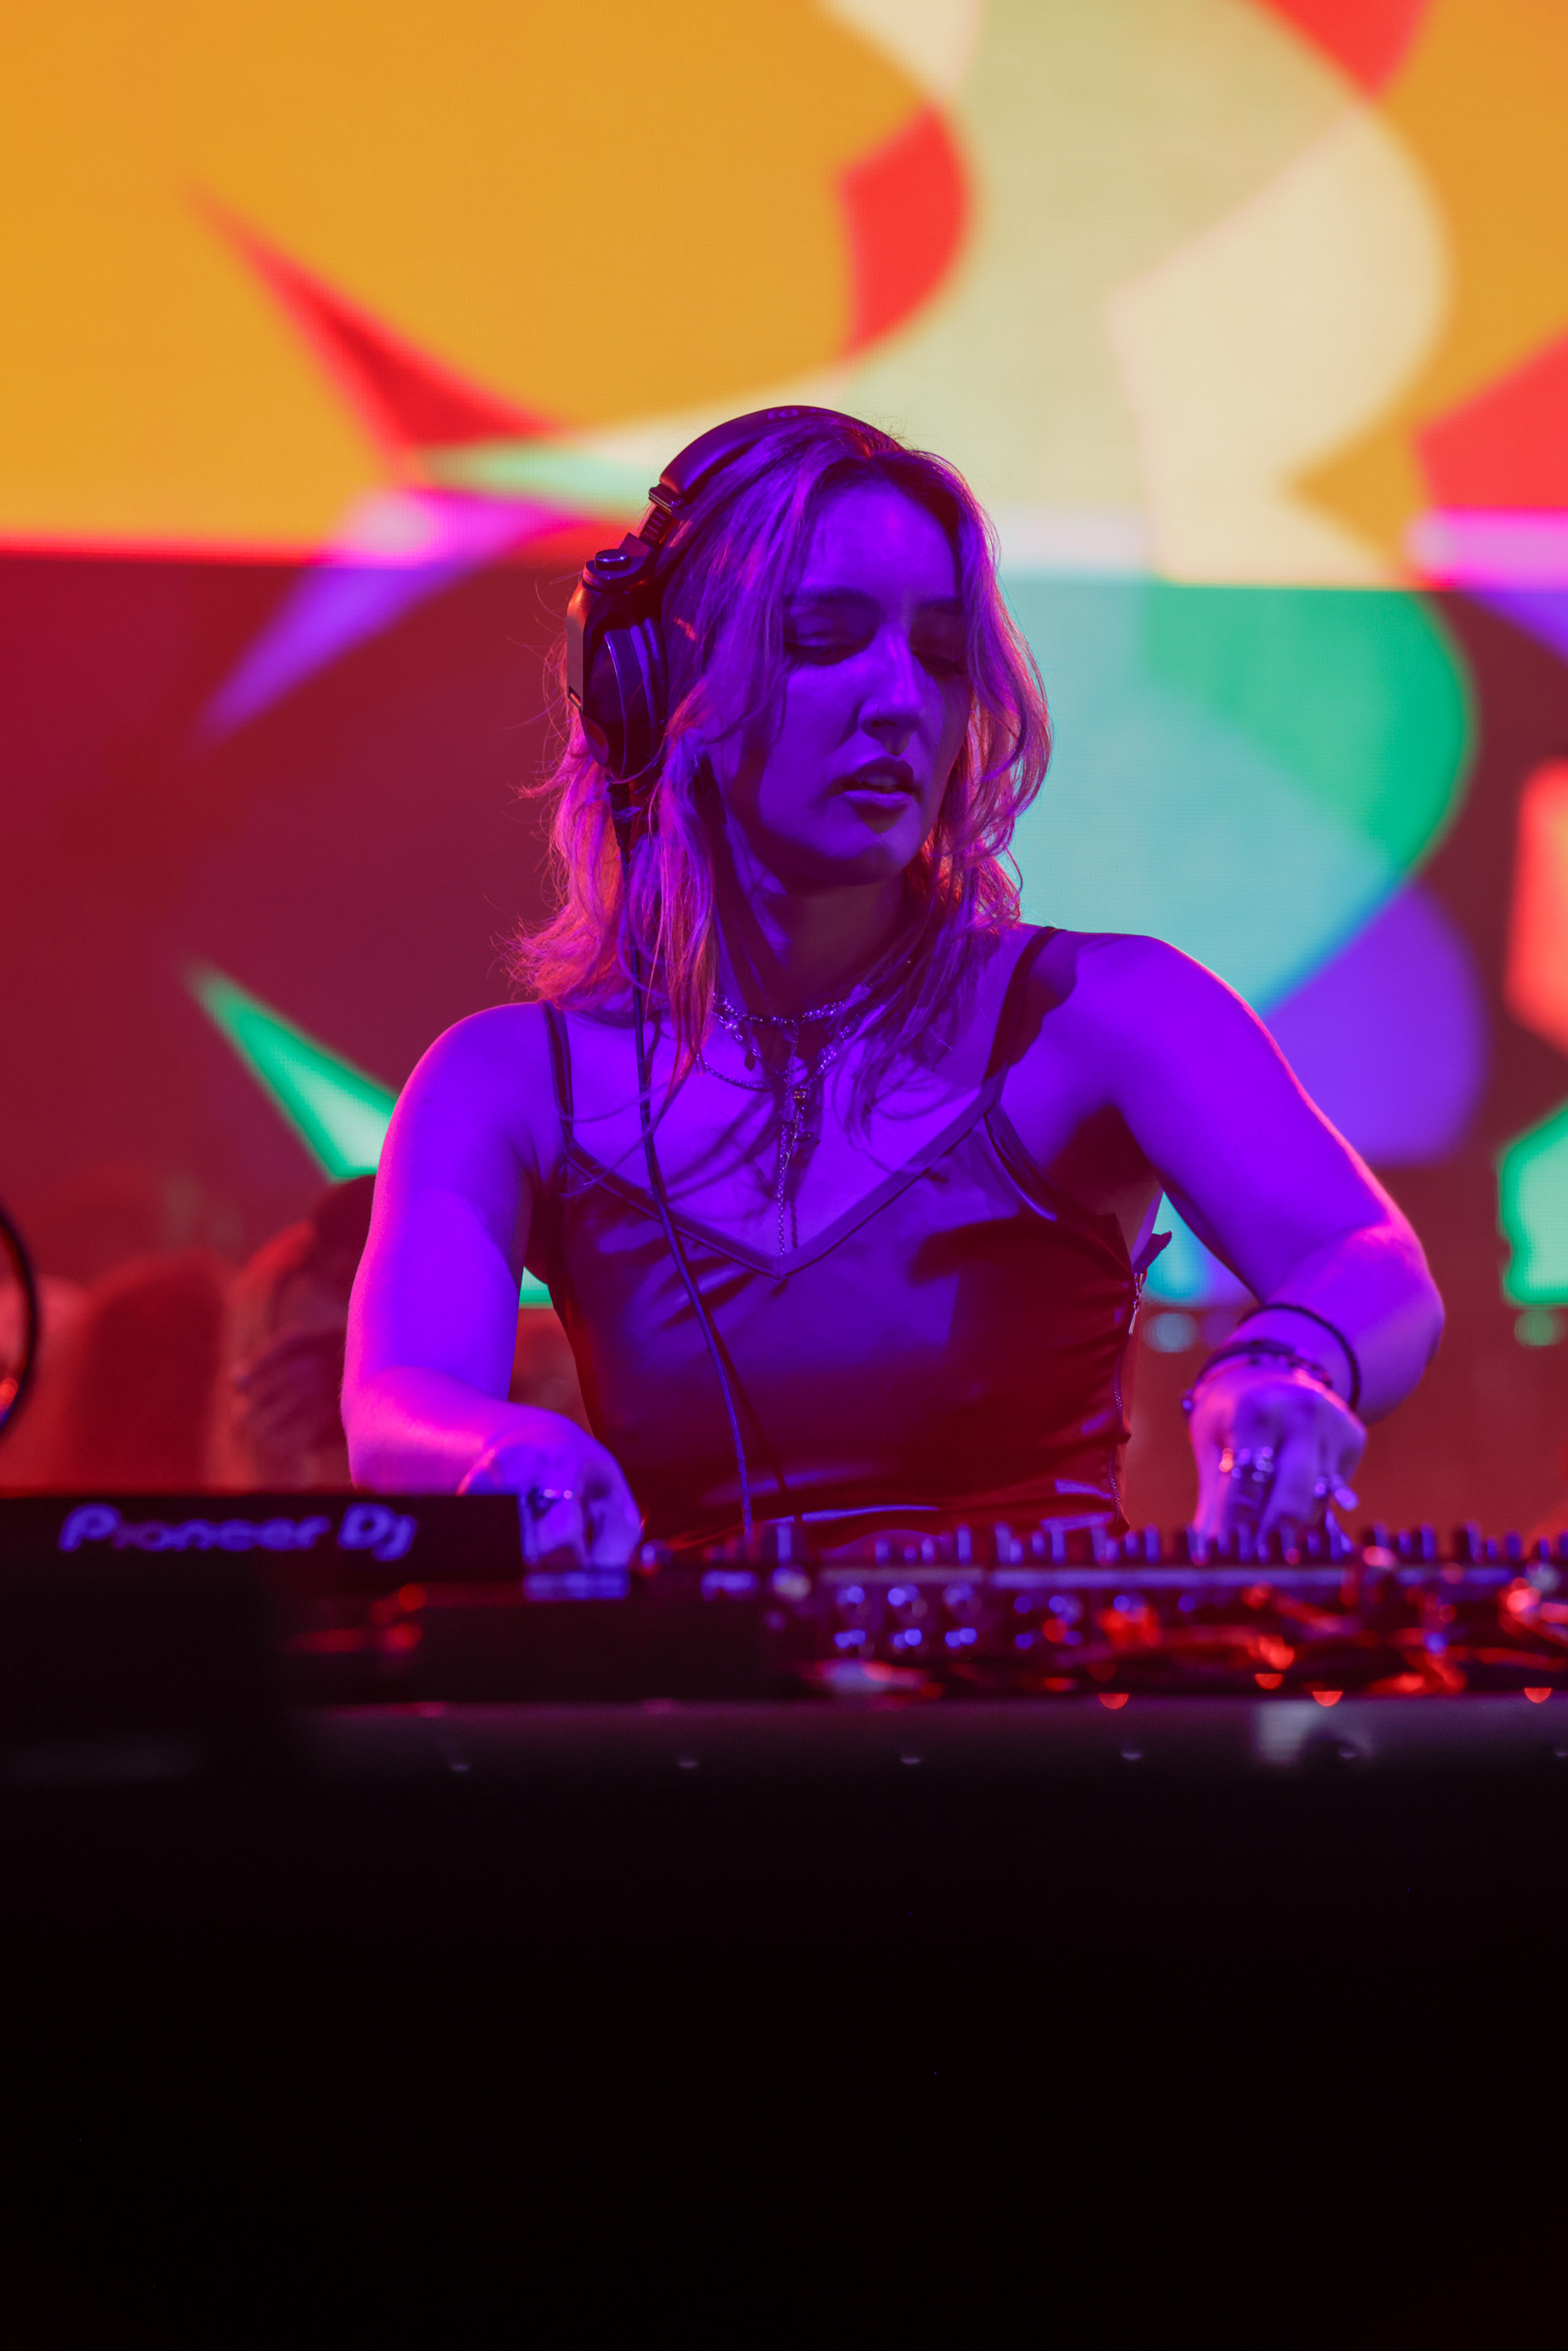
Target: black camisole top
(948,1350)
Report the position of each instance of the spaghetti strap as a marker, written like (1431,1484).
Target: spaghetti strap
(1008,1018)
(560,1067)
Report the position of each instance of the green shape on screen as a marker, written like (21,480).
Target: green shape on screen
(1185,1273)
(1358,694)
(1190,797)
(578,480)
(1533,1212)
(339,1112)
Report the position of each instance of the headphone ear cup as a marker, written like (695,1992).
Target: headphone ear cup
(625,700)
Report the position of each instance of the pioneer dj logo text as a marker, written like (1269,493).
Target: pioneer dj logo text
(386,1534)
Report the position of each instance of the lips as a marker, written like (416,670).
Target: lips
(882,779)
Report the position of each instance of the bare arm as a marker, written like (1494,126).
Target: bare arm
(432,1325)
(1282,1198)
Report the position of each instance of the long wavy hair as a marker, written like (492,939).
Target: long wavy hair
(728,570)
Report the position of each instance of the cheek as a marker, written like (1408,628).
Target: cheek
(810,726)
(956,712)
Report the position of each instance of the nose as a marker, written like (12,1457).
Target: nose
(895,696)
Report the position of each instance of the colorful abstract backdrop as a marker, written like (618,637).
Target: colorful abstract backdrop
(334,334)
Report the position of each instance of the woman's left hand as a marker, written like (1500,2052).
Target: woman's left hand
(1273,1448)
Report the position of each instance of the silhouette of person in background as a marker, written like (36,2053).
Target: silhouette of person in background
(288,1324)
(125,1397)
(132,1283)
(161,1370)
(288,1315)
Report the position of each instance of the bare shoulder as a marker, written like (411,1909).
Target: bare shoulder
(1131,990)
(490,1076)
(504,1042)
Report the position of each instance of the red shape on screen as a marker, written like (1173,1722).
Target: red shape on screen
(1509,445)
(1367,38)
(906,206)
(1536,977)
(408,400)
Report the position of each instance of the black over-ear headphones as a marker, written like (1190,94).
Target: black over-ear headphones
(617,674)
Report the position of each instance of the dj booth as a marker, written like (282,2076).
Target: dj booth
(358,1724)
(1145,1881)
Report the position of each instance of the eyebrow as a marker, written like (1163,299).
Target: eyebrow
(939,607)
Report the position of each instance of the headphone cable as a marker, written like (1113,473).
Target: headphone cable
(662,1204)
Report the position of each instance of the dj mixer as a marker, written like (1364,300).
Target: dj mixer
(1041,1611)
(425,1597)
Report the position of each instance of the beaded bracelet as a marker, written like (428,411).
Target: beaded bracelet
(1255,1351)
(1284,1306)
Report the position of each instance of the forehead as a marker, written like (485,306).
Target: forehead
(875,539)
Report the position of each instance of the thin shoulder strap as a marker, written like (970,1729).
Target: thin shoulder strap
(560,1067)
(1011,1013)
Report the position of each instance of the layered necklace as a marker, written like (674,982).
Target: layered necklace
(793,1085)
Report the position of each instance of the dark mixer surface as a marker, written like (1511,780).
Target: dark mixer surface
(427,1598)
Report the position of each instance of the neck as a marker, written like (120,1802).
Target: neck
(781,951)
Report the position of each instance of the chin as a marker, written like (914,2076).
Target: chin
(872,860)
(849,855)
(889,844)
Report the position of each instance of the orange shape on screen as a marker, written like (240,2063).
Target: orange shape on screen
(408,400)
(1535,981)
(1367,38)
(905,206)
(1508,446)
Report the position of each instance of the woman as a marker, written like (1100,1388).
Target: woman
(912,1150)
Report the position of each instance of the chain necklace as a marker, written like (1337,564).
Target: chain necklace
(792,1086)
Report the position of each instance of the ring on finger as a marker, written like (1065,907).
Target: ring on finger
(1252,1467)
(542,1500)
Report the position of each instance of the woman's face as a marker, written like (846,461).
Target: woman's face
(875,705)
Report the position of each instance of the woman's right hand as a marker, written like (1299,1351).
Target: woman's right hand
(576,1504)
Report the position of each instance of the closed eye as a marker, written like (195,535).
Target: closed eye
(941,664)
(822,650)
(942,653)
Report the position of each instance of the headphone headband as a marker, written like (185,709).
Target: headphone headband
(616,672)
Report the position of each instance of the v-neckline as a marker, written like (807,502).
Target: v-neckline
(998,1061)
(838,1228)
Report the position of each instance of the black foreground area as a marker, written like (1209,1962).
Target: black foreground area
(461,2025)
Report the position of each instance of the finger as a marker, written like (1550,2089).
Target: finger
(614,1521)
(1213,1493)
(1212,1452)
(616,1530)
(1246,1489)
(1292,1499)
(1244,1467)
(556,1527)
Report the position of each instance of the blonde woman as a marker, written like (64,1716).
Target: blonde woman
(912,1149)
